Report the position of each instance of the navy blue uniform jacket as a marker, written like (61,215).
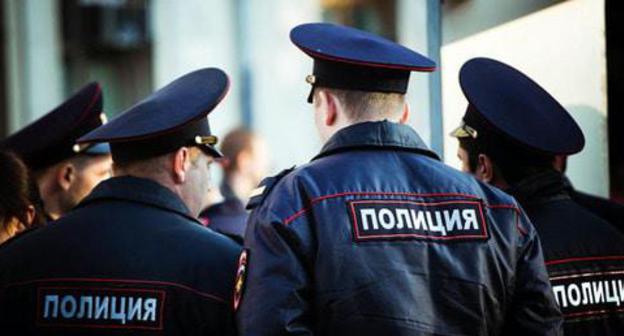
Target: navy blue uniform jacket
(377,237)
(584,255)
(606,209)
(228,217)
(129,259)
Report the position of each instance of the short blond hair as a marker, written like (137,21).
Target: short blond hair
(363,105)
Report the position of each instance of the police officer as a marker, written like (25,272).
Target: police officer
(245,163)
(510,135)
(64,171)
(132,258)
(375,236)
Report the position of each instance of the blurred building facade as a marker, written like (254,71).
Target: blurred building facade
(52,47)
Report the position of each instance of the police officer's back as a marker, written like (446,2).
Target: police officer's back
(510,135)
(377,236)
(132,258)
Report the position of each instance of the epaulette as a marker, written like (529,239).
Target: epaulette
(260,193)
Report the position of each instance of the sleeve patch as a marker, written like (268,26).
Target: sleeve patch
(241,276)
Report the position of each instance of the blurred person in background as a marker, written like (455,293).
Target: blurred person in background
(64,171)
(245,163)
(510,135)
(19,204)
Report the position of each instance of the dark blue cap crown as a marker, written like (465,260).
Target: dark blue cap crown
(352,59)
(171,117)
(506,103)
(52,138)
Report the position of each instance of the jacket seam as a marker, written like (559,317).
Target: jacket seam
(319,199)
(580,259)
(523,231)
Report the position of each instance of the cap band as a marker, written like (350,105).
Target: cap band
(347,76)
(127,151)
(496,144)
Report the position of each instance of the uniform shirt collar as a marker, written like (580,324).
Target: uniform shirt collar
(138,190)
(376,134)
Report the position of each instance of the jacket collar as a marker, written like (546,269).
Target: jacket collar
(138,190)
(376,134)
(540,188)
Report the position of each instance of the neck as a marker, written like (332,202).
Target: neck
(167,182)
(499,182)
(52,205)
(50,196)
(340,126)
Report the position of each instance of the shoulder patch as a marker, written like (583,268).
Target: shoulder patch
(262,191)
(241,276)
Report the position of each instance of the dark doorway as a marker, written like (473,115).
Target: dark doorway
(614,10)
(4,118)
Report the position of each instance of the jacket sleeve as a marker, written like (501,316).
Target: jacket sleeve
(534,310)
(276,296)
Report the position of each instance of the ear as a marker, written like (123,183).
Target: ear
(406,114)
(485,169)
(30,214)
(244,160)
(65,175)
(331,111)
(560,163)
(181,160)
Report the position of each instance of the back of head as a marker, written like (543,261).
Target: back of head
(362,106)
(234,143)
(511,162)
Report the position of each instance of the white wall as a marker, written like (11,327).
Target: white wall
(200,33)
(463,18)
(412,29)
(195,34)
(281,113)
(33,59)
(562,47)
